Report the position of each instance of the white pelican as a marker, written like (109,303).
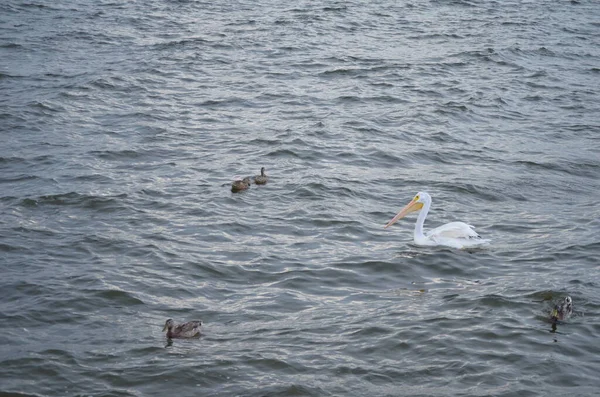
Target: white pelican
(453,234)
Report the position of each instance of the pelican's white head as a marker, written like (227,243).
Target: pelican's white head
(421,199)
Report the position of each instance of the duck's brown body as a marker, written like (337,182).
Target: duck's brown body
(262,178)
(190,329)
(238,186)
(563,310)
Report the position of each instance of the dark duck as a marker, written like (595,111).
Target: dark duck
(262,178)
(562,310)
(239,185)
(190,329)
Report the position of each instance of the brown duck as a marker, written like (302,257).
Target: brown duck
(238,186)
(186,330)
(262,178)
(562,310)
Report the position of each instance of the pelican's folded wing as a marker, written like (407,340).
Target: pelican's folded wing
(453,230)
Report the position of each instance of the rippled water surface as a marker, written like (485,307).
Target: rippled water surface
(123,124)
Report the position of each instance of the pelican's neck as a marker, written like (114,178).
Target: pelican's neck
(419,235)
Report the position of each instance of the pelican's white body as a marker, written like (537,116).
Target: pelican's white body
(453,234)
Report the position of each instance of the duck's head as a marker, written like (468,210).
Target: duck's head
(168,325)
(563,309)
(262,171)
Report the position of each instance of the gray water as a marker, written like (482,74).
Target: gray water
(123,124)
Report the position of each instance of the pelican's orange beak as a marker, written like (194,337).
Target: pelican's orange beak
(413,206)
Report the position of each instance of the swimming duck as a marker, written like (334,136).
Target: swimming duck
(238,186)
(262,178)
(185,330)
(562,310)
